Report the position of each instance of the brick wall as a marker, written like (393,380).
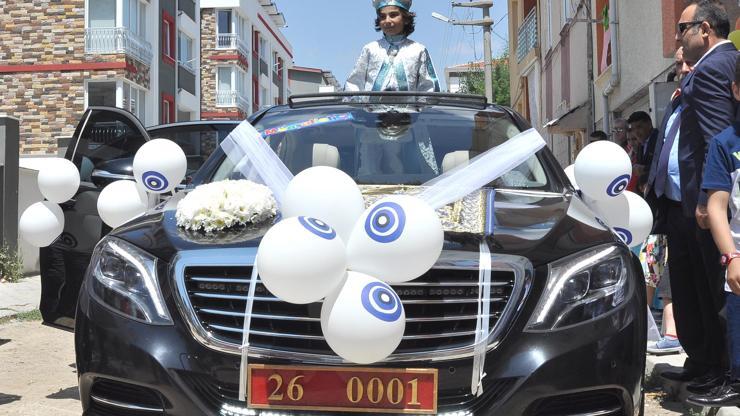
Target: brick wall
(210,59)
(43,67)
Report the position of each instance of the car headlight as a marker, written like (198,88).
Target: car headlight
(124,278)
(582,287)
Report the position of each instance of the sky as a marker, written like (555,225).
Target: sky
(329,34)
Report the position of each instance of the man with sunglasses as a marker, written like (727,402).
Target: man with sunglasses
(707,108)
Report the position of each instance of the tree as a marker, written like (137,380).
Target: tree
(473,82)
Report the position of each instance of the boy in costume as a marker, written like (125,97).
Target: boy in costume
(394,62)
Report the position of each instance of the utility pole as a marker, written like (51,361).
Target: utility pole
(486,23)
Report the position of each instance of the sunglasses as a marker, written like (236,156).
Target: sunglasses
(684,26)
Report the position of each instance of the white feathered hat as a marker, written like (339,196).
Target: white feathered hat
(404,4)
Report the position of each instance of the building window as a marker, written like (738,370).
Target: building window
(231,86)
(224,21)
(280,68)
(101,93)
(185,52)
(134,17)
(263,95)
(101,13)
(255,94)
(263,48)
(168,38)
(256,43)
(168,108)
(134,100)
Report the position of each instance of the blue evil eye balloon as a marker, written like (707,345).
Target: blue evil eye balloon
(381,301)
(318,227)
(154,181)
(301,260)
(385,223)
(618,185)
(363,320)
(602,170)
(398,238)
(159,165)
(624,235)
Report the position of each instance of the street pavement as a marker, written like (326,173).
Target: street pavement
(38,375)
(20,297)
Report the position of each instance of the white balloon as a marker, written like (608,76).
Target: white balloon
(120,202)
(364,320)
(603,170)
(325,193)
(41,223)
(160,165)
(301,260)
(628,215)
(58,180)
(641,218)
(397,239)
(570,172)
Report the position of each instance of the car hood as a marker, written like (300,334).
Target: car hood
(541,226)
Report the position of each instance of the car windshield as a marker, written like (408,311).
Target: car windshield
(390,144)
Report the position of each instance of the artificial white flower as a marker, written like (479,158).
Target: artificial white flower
(225,204)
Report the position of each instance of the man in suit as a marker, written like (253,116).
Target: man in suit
(706,108)
(643,136)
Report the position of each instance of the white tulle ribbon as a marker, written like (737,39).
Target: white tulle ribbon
(245,335)
(484,300)
(255,159)
(482,169)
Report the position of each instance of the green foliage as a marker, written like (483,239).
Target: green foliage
(474,81)
(11,265)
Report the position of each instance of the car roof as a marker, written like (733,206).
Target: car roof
(194,123)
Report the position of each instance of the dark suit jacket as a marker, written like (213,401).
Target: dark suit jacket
(659,212)
(708,108)
(645,158)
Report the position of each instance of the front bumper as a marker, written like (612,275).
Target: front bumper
(129,368)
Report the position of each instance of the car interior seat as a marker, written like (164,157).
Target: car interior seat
(325,155)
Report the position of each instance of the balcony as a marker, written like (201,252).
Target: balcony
(231,41)
(231,98)
(526,38)
(107,40)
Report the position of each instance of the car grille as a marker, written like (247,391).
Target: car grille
(441,310)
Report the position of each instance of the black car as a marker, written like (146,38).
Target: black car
(103,148)
(161,310)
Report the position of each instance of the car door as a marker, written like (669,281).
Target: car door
(103,147)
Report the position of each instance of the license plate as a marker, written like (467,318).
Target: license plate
(348,389)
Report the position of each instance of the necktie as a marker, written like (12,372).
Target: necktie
(665,152)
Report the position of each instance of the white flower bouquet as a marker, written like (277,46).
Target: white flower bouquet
(220,205)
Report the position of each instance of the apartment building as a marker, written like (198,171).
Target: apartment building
(57,57)
(579,64)
(306,80)
(244,58)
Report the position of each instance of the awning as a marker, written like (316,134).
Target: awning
(574,119)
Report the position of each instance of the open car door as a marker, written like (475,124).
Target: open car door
(103,148)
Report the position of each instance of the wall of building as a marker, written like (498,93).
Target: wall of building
(210,59)
(43,66)
(304,82)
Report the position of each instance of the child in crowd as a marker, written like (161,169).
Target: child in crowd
(722,182)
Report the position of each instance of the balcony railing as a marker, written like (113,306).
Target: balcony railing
(231,98)
(526,38)
(105,40)
(231,41)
